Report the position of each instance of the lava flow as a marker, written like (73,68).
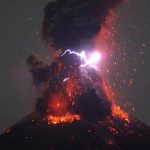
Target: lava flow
(63,119)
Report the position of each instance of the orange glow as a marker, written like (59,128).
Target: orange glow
(105,42)
(109,141)
(73,87)
(57,104)
(109,92)
(67,118)
(118,112)
(113,130)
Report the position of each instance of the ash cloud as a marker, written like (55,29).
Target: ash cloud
(71,24)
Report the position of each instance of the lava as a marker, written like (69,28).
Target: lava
(67,118)
(118,112)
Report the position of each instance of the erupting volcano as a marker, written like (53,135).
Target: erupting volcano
(75,109)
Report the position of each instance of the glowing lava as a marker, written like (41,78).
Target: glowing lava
(67,118)
(118,112)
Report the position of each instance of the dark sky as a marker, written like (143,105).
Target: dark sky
(20,28)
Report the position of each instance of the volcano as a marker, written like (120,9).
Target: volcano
(74,113)
(33,133)
(74,110)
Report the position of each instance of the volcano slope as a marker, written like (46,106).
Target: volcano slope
(93,123)
(34,133)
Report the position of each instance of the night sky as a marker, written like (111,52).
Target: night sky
(20,28)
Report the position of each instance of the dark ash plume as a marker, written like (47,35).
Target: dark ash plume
(70,24)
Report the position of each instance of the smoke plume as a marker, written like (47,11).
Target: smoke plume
(65,87)
(73,24)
